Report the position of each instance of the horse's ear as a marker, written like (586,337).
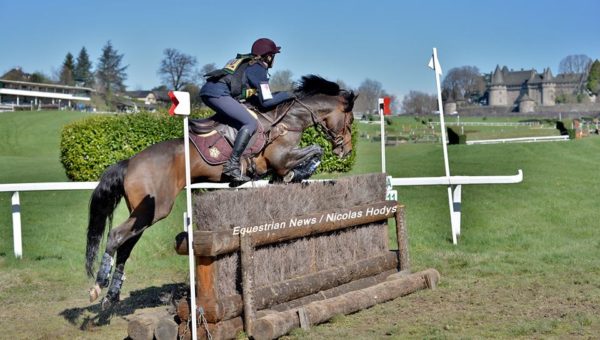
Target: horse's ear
(349,98)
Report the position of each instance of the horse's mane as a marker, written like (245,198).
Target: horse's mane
(311,84)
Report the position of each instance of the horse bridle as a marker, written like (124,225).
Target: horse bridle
(337,138)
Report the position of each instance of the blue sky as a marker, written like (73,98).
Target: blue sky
(388,41)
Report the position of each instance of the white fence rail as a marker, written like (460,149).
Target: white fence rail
(519,140)
(490,123)
(7,107)
(455,181)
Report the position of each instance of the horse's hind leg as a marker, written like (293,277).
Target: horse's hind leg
(103,277)
(114,290)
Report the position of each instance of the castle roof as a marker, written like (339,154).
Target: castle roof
(517,78)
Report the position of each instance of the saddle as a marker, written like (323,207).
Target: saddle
(214,140)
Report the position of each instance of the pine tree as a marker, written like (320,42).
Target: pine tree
(593,80)
(66,72)
(83,69)
(110,75)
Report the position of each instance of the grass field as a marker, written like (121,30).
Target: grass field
(527,264)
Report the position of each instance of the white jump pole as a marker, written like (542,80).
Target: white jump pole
(435,65)
(16,219)
(181,106)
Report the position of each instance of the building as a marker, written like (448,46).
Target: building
(42,95)
(150,99)
(509,88)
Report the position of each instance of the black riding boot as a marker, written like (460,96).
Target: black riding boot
(231,168)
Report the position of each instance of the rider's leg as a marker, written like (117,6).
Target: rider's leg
(237,116)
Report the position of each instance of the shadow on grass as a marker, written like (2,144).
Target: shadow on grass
(146,298)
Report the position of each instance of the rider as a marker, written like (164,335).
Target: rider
(241,78)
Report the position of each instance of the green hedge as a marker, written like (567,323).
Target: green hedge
(330,162)
(90,145)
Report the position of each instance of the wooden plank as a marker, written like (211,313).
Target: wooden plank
(402,234)
(247,267)
(213,243)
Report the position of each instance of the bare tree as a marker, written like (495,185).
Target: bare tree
(369,92)
(578,64)
(281,81)
(464,82)
(176,68)
(575,64)
(199,78)
(419,103)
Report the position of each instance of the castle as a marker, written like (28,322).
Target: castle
(527,89)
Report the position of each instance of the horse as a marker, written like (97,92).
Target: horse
(150,180)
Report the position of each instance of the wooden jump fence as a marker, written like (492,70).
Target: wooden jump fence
(272,259)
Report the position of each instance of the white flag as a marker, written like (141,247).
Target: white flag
(435,65)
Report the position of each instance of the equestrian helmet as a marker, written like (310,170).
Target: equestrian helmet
(264,46)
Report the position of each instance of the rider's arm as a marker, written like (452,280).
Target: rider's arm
(257,75)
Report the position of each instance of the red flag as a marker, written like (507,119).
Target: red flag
(174,101)
(386,106)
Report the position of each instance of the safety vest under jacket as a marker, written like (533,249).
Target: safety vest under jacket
(234,75)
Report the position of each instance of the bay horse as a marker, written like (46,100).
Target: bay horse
(151,180)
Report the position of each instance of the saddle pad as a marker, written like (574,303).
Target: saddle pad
(215,149)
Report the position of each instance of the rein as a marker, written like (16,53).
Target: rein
(320,123)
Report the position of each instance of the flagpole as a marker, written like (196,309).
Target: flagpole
(438,72)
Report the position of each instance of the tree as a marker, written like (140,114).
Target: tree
(578,64)
(67,70)
(199,78)
(176,68)
(593,80)
(464,82)
(369,92)
(39,77)
(83,69)
(109,72)
(419,103)
(575,64)
(281,81)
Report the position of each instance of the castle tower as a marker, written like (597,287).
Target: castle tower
(497,88)
(548,88)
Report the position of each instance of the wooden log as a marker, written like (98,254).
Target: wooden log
(166,329)
(402,234)
(142,326)
(247,267)
(213,243)
(264,297)
(276,325)
(335,291)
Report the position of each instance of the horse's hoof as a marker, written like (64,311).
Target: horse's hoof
(289,176)
(106,303)
(95,292)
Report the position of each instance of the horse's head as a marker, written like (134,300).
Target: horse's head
(331,108)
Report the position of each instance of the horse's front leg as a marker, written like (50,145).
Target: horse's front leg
(300,163)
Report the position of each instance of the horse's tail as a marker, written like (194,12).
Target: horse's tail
(103,202)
